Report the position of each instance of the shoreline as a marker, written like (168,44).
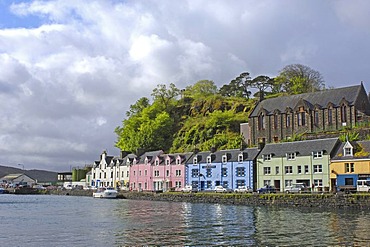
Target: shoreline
(307,200)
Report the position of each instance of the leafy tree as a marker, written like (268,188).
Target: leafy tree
(164,95)
(238,87)
(298,78)
(262,83)
(201,89)
(138,107)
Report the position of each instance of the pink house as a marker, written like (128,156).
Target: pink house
(156,171)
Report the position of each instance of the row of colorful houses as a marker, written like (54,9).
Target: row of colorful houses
(324,164)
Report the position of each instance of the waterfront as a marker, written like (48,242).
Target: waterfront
(46,220)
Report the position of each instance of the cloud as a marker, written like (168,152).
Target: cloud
(68,81)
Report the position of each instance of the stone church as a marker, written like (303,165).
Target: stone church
(276,119)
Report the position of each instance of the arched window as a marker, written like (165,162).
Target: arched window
(261,121)
(343,113)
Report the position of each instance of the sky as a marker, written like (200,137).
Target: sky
(69,70)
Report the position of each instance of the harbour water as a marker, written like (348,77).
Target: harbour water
(45,220)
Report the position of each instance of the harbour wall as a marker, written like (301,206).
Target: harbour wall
(317,200)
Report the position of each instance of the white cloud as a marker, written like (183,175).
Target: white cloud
(68,82)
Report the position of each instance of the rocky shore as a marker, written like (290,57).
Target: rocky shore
(325,200)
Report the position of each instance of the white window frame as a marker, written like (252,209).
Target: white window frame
(224,159)
(266,157)
(240,158)
(317,154)
(288,169)
(290,156)
(266,170)
(317,168)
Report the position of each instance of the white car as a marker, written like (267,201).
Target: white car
(243,189)
(187,188)
(221,189)
(296,188)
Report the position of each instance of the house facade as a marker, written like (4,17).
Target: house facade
(142,170)
(229,168)
(351,163)
(308,162)
(276,119)
(102,172)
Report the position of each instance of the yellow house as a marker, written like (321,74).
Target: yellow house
(351,163)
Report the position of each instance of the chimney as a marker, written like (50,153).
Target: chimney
(261,143)
(196,150)
(213,149)
(124,153)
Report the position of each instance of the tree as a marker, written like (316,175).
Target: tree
(262,83)
(201,89)
(298,78)
(164,95)
(238,87)
(138,107)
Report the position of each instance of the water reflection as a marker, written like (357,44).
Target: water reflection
(81,221)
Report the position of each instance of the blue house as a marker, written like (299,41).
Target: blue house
(229,168)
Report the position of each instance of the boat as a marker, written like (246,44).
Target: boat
(4,191)
(105,193)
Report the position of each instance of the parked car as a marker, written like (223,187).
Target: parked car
(39,187)
(266,189)
(243,189)
(295,188)
(188,188)
(220,188)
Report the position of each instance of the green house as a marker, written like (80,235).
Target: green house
(308,162)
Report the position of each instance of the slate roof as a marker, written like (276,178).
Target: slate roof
(151,155)
(321,98)
(248,154)
(302,148)
(366,151)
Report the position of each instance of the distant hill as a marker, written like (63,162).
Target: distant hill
(40,175)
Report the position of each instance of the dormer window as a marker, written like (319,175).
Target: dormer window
(224,158)
(317,154)
(266,157)
(209,160)
(168,162)
(195,160)
(347,149)
(157,162)
(178,161)
(240,158)
(146,161)
(290,156)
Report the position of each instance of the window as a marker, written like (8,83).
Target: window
(288,182)
(167,173)
(275,121)
(240,172)
(348,181)
(105,175)
(240,158)
(306,169)
(178,173)
(317,168)
(209,184)
(209,172)
(266,182)
(240,183)
(316,118)
(288,170)
(299,169)
(267,170)
(224,159)
(317,182)
(261,121)
(128,173)
(178,184)
(317,155)
(194,173)
(301,116)
(134,173)
(123,174)
(266,157)
(350,167)
(277,170)
(178,161)
(146,161)
(348,151)
(209,160)
(167,162)
(156,173)
(290,156)
(288,120)
(194,184)
(195,160)
(225,184)
(145,173)
(343,113)
(140,173)
(330,116)
(224,172)
(157,162)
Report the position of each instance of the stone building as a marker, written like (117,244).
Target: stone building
(276,119)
